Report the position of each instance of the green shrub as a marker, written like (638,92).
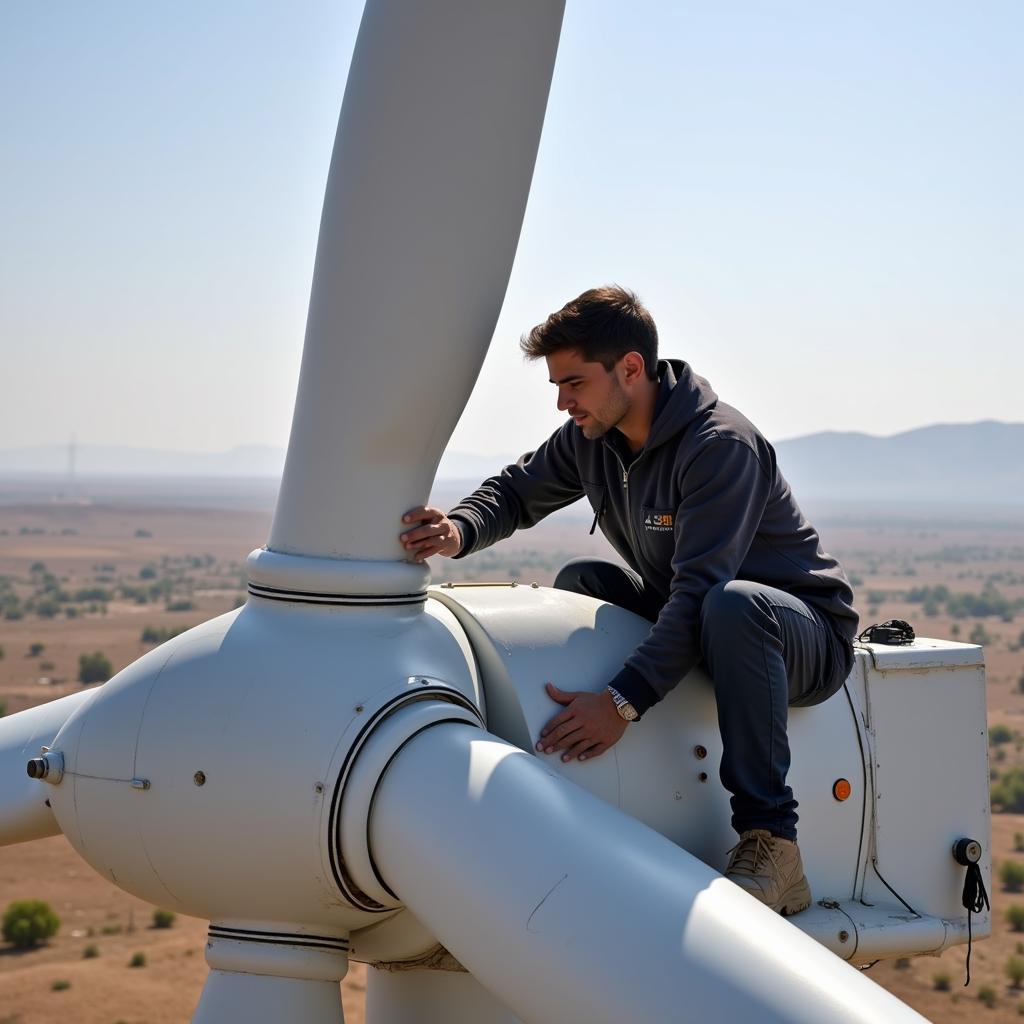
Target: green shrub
(981,636)
(1014,969)
(1011,874)
(90,952)
(60,985)
(137,960)
(34,650)
(1018,842)
(111,929)
(163,918)
(1015,917)
(94,668)
(160,634)
(941,981)
(3,708)
(184,605)
(1008,795)
(987,996)
(27,923)
(998,734)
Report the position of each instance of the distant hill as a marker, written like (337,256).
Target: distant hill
(950,463)
(956,463)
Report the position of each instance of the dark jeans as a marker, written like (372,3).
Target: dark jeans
(765,651)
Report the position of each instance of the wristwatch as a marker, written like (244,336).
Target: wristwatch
(624,708)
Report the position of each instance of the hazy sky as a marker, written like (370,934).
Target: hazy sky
(819,201)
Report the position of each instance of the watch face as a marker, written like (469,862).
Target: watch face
(628,712)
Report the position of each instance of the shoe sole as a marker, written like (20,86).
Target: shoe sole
(795,899)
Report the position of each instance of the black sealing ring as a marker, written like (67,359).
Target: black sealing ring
(967,851)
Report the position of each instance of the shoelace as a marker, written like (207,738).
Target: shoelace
(749,854)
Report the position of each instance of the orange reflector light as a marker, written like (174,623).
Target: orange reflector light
(841,789)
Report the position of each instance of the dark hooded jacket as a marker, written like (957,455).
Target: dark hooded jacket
(702,503)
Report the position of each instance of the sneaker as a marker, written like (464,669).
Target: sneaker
(769,868)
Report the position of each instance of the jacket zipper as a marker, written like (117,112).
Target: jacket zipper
(625,488)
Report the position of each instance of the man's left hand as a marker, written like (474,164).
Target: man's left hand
(586,727)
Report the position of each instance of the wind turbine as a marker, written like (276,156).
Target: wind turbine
(343,767)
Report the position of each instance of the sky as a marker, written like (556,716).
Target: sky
(819,202)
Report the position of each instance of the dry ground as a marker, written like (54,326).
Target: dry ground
(79,543)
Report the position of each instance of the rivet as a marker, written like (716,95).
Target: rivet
(199,778)
(359,709)
(424,682)
(844,936)
(703,777)
(700,752)
(536,586)
(677,795)
(318,788)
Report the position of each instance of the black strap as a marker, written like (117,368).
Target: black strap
(975,900)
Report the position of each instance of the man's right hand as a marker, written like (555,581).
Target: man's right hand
(437,534)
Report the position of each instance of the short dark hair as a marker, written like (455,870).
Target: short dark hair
(603,324)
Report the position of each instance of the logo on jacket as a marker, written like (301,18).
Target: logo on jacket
(658,522)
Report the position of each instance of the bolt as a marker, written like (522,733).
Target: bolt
(844,936)
(424,682)
(700,752)
(318,788)
(199,778)
(703,777)
(359,709)
(536,586)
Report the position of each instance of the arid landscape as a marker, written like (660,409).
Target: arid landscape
(86,586)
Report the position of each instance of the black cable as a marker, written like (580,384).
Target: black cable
(874,865)
(975,899)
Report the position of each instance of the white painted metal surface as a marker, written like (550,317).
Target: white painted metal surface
(569,910)
(425,199)
(522,636)
(241,729)
(926,719)
(431,997)
(24,812)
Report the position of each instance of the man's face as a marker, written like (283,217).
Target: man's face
(589,393)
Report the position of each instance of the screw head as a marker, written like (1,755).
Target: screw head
(700,752)
(844,936)
(318,788)
(703,777)
(199,778)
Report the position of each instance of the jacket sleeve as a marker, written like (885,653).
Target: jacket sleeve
(522,494)
(723,496)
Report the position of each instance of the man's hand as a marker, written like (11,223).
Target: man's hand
(587,727)
(437,535)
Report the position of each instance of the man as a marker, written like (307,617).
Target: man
(722,562)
